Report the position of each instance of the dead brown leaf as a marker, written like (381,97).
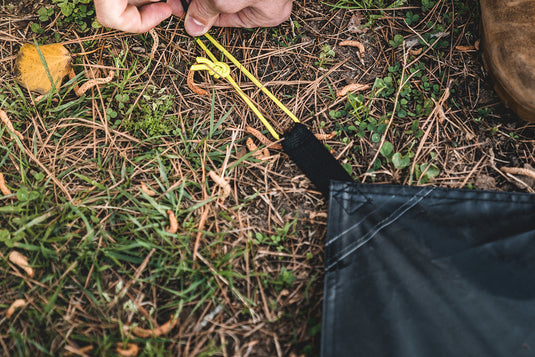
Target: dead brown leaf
(355,87)
(131,350)
(355,23)
(31,73)
(173,223)
(3,188)
(15,305)
(21,261)
(158,331)
(221,182)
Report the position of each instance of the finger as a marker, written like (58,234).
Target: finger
(139,3)
(202,14)
(200,17)
(251,17)
(176,8)
(123,16)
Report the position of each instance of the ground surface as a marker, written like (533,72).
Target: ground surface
(242,275)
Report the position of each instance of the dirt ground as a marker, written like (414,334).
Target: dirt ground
(467,134)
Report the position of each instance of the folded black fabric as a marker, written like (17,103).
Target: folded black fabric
(423,271)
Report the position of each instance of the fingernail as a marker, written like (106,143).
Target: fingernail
(194,26)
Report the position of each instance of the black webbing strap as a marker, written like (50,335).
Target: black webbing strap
(313,158)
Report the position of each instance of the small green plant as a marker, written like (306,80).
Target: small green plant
(285,279)
(426,172)
(427,5)
(411,18)
(397,41)
(326,55)
(79,13)
(397,159)
(276,240)
(151,116)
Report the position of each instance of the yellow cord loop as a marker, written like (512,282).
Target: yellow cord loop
(248,74)
(216,68)
(222,70)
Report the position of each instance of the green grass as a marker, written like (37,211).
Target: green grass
(99,246)
(86,250)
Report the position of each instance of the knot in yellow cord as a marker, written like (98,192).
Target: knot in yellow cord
(216,69)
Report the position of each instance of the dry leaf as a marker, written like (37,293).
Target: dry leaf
(465,48)
(355,23)
(262,155)
(15,305)
(173,223)
(325,136)
(20,260)
(159,331)
(3,188)
(221,182)
(31,73)
(131,350)
(355,87)
(147,190)
(262,138)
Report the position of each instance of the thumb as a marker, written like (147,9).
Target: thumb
(201,16)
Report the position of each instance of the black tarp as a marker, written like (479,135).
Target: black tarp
(423,271)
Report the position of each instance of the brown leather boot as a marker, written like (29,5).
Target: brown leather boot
(508,51)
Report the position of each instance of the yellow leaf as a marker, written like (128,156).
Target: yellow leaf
(31,72)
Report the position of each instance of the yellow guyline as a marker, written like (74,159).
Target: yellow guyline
(222,70)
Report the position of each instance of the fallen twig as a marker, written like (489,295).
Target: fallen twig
(9,125)
(519,171)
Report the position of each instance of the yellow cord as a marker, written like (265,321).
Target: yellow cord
(222,70)
(249,75)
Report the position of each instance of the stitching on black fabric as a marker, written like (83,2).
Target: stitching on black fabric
(531,199)
(393,217)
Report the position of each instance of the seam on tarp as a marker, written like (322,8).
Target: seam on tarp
(407,206)
(512,197)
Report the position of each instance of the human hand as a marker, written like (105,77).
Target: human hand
(203,14)
(135,15)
